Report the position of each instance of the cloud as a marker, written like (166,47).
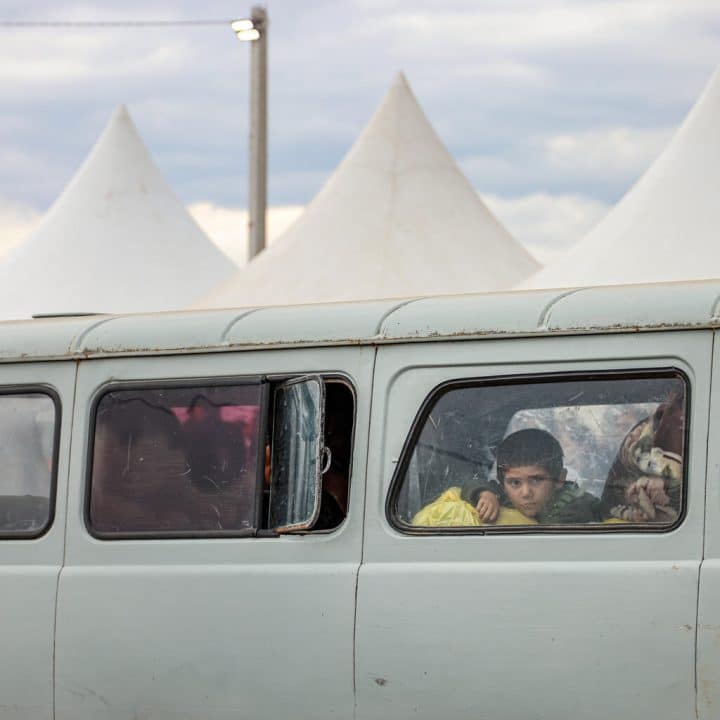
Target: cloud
(496,79)
(227,227)
(16,223)
(618,153)
(547,224)
(530,26)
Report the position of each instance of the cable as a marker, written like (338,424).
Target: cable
(109,23)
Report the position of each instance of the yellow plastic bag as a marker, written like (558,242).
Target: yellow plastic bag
(511,516)
(449,510)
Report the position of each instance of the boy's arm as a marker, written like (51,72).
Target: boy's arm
(573,506)
(485,498)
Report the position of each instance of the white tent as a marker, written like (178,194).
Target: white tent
(116,240)
(397,218)
(666,226)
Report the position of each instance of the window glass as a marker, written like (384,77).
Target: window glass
(177,460)
(27,425)
(296,447)
(597,451)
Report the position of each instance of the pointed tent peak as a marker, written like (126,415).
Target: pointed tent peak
(121,111)
(417,227)
(398,137)
(117,211)
(400,80)
(120,123)
(665,227)
(119,161)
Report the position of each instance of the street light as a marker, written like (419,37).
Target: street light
(254,29)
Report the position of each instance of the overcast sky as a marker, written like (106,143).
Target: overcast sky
(552,109)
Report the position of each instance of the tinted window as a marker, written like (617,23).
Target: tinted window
(596,451)
(27,426)
(183,460)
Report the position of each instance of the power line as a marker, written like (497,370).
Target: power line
(22,24)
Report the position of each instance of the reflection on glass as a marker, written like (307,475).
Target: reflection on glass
(297,439)
(27,424)
(176,460)
(599,451)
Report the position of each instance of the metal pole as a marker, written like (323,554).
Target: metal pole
(257,199)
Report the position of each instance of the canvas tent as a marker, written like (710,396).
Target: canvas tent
(116,240)
(397,218)
(666,226)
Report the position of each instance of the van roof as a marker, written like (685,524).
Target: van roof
(622,308)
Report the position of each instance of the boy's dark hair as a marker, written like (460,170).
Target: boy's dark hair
(530,447)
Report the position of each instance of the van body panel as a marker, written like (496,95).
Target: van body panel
(579,310)
(336,323)
(524,625)
(204,330)
(617,309)
(639,306)
(368,620)
(469,315)
(43,338)
(29,569)
(221,627)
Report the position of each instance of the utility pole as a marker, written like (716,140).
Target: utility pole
(254,30)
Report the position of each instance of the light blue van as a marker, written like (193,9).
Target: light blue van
(267,513)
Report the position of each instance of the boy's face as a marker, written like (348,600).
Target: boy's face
(529,488)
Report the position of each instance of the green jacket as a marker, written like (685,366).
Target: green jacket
(570,504)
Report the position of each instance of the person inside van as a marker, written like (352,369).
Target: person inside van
(532,480)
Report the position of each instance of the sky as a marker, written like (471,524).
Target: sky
(551,109)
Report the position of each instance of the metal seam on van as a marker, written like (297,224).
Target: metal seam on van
(715,309)
(379,330)
(53,682)
(235,321)
(544,319)
(362,523)
(704,521)
(75,343)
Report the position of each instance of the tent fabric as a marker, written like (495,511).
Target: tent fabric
(396,219)
(665,228)
(116,240)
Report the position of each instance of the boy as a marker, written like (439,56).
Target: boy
(531,479)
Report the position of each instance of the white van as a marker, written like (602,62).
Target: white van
(269,513)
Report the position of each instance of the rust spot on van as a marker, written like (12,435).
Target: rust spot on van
(381,681)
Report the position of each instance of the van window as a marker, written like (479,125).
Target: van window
(536,454)
(27,458)
(198,461)
(297,450)
(176,460)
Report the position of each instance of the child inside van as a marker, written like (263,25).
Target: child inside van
(532,480)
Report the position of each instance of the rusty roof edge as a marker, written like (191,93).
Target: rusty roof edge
(380,329)
(715,309)
(543,322)
(616,328)
(75,344)
(370,341)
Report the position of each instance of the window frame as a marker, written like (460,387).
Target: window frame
(339,378)
(447,386)
(49,392)
(318,479)
(175,384)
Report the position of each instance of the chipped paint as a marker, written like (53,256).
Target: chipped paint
(449,318)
